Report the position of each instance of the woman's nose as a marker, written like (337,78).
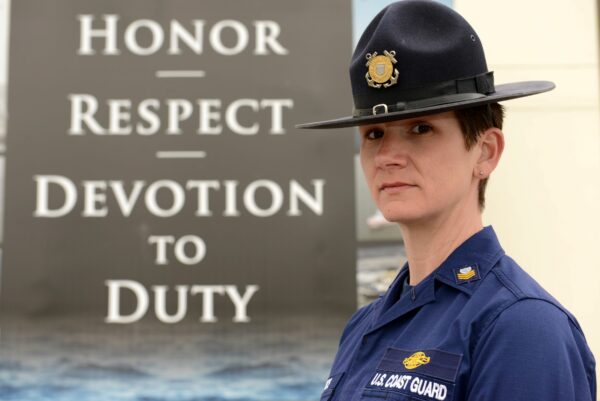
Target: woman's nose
(392,151)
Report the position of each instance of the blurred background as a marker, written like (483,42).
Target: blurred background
(543,200)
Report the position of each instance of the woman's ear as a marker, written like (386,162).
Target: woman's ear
(491,142)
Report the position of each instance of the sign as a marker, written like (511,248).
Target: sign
(156,187)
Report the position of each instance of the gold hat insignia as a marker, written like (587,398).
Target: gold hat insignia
(381,71)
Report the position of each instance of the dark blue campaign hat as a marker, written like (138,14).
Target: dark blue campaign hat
(420,57)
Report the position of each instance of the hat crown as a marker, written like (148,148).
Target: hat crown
(430,44)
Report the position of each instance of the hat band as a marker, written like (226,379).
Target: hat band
(456,90)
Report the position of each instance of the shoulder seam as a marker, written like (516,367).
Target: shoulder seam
(508,283)
(503,307)
(493,316)
(516,291)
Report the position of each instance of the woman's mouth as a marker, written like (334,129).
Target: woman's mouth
(394,187)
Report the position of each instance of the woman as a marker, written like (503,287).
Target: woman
(462,321)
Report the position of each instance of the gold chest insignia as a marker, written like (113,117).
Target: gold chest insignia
(415,360)
(381,71)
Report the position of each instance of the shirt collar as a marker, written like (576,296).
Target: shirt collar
(468,264)
(479,252)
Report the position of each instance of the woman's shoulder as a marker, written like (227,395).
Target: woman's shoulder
(524,331)
(533,341)
(509,291)
(522,287)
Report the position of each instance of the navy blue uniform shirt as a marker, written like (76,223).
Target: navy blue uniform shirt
(477,329)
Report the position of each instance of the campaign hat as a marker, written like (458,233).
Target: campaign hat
(420,57)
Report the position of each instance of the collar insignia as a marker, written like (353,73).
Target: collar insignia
(415,360)
(466,274)
(381,71)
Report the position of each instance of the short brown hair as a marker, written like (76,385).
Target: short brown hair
(473,121)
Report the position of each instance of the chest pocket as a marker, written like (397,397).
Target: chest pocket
(427,375)
(330,386)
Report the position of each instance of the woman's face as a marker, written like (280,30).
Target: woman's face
(419,169)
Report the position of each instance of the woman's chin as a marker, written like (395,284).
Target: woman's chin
(402,215)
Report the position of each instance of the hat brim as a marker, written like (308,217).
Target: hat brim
(503,92)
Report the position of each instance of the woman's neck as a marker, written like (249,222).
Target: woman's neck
(429,243)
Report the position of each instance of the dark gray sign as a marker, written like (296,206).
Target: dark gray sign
(168,233)
(153,171)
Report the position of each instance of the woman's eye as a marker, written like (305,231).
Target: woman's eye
(374,134)
(421,129)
